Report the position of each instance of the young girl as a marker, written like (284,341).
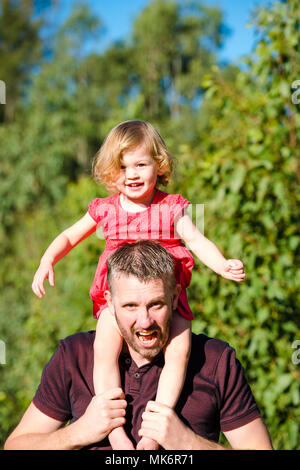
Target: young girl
(133,161)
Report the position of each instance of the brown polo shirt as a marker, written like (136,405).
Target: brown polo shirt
(216,396)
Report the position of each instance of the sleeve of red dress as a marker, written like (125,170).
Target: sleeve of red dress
(178,205)
(94,209)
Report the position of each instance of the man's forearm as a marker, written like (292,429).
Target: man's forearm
(36,430)
(65,438)
(189,440)
(197,442)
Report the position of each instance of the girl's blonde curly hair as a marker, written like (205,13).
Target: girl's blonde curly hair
(128,135)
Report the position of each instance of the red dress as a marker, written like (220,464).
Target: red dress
(154,223)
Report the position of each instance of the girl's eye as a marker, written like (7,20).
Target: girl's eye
(141,164)
(122,167)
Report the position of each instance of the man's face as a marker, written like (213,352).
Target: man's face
(143,311)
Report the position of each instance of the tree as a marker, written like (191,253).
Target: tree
(173,44)
(20,49)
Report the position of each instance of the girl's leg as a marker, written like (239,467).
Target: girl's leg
(106,374)
(171,381)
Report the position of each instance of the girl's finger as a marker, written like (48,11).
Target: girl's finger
(41,288)
(235,263)
(38,293)
(237,273)
(34,291)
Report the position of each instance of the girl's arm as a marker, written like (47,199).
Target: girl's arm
(59,248)
(207,251)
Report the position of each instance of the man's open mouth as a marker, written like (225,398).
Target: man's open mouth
(147,339)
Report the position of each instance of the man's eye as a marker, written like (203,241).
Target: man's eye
(157,305)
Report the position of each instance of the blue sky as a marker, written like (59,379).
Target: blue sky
(118,15)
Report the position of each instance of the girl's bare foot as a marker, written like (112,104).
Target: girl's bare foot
(119,440)
(147,444)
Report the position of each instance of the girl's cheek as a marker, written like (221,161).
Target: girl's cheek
(120,179)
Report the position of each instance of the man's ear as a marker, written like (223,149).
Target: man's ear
(108,298)
(176,295)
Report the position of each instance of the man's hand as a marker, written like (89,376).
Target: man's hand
(162,424)
(104,413)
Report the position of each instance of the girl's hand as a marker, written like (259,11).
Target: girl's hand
(44,271)
(233,270)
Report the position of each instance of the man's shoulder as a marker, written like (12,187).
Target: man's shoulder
(209,344)
(77,341)
(206,353)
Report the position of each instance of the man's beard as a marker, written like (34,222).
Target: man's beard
(146,353)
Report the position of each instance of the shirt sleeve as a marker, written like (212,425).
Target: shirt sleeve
(93,209)
(180,201)
(51,397)
(178,205)
(237,404)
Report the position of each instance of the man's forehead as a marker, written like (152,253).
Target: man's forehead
(131,286)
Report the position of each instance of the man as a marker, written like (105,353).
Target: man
(142,295)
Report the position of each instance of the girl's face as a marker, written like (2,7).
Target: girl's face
(138,175)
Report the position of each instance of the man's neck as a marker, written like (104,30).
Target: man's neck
(136,357)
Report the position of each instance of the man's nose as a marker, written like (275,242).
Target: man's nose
(145,320)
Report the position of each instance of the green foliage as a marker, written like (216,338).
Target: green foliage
(248,177)
(236,152)
(20,49)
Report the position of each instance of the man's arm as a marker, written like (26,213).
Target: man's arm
(38,431)
(162,424)
(251,436)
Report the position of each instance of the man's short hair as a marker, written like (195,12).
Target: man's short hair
(144,259)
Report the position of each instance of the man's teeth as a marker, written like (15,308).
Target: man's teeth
(146,336)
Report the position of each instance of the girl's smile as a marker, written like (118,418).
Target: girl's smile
(138,176)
